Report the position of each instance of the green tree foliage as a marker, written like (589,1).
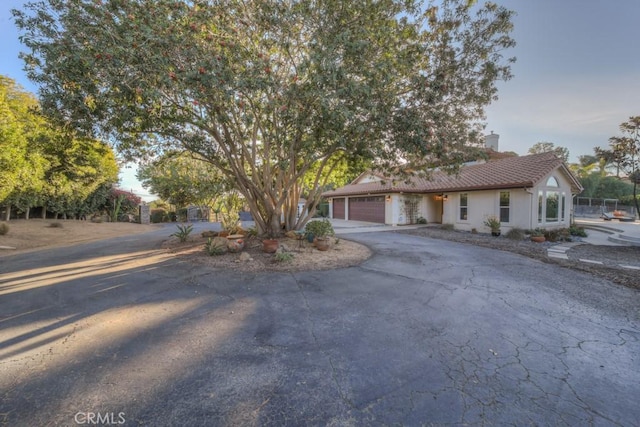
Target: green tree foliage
(21,164)
(605,187)
(587,164)
(42,164)
(183,180)
(624,152)
(546,147)
(266,90)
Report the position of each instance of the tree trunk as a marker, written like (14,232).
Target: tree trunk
(44,212)
(7,215)
(635,197)
(26,213)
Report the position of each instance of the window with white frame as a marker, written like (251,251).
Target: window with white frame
(551,202)
(464,206)
(505,205)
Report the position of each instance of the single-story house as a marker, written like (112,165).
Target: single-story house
(522,191)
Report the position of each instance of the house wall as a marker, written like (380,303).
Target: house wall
(523,208)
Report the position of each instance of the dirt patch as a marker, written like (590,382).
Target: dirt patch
(303,255)
(33,234)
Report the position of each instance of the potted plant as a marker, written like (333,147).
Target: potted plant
(494,224)
(321,230)
(537,235)
(270,245)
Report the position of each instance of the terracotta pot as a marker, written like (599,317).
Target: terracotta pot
(538,239)
(322,244)
(618,213)
(223,233)
(269,246)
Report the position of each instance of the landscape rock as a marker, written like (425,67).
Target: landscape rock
(220,243)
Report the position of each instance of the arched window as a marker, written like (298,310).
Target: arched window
(551,202)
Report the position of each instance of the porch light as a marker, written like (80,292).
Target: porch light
(388,198)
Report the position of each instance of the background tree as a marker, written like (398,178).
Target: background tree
(183,180)
(267,90)
(44,165)
(21,164)
(625,153)
(549,147)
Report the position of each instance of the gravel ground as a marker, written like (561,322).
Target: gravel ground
(612,257)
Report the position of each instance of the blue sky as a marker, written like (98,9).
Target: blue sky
(575,80)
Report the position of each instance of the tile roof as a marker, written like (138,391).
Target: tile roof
(510,172)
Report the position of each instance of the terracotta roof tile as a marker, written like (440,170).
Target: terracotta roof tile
(510,172)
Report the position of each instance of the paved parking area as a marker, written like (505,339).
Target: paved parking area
(426,332)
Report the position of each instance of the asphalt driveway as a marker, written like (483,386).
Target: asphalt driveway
(425,332)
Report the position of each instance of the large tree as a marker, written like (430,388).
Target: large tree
(624,152)
(265,90)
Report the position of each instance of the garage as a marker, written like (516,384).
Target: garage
(370,209)
(338,208)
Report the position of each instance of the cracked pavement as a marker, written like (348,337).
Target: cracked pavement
(426,332)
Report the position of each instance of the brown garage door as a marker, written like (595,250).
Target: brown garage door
(369,209)
(338,208)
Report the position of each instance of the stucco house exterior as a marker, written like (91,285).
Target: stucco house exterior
(525,192)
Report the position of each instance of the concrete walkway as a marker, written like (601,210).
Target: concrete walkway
(610,233)
(341,226)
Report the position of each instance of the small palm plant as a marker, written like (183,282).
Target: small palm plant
(183,232)
(493,223)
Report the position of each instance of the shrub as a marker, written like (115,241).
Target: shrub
(283,257)
(56,225)
(538,232)
(515,234)
(574,230)
(551,235)
(4,229)
(159,215)
(492,222)
(319,228)
(183,232)
(211,249)
(448,227)
(421,220)
(564,235)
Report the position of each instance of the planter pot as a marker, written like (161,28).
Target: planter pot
(538,239)
(310,237)
(322,244)
(269,246)
(223,234)
(495,233)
